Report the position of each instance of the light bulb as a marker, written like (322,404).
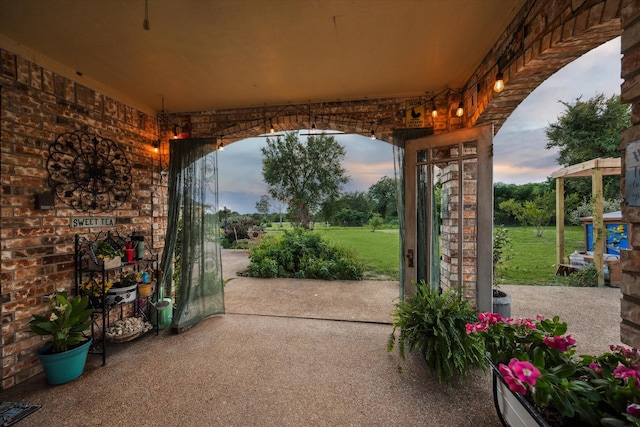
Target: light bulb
(498,86)
(221,148)
(373,134)
(460,110)
(434,112)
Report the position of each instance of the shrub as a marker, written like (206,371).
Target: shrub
(434,323)
(304,255)
(584,277)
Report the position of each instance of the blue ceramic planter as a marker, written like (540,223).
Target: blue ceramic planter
(63,367)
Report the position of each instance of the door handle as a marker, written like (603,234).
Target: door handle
(409,257)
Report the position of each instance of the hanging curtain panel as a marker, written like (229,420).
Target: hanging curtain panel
(193,233)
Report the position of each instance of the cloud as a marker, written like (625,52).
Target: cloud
(240,169)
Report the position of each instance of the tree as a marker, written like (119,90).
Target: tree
(263,206)
(587,130)
(303,175)
(384,195)
(537,212)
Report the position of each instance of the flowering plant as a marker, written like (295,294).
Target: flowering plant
(68,319)
(537,359)
(105,250)
(95,287)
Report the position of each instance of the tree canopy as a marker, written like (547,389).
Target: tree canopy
(303,175)
(587,130)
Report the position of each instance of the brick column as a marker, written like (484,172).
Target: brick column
(630,260)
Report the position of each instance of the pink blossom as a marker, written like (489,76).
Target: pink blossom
(634,409)
(624,373)
(490,318)
(524,371)
(517,374)
(595,367)
(561,343)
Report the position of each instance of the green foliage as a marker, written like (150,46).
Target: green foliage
(68,319)
(537,212)
(263,205)
(239,230)
(502,249)
(537,359)
(585,209)
(350,218)
(303,175)
(375,222)
(384,196)
(585,277)
(587,130)
(305,255)
(434,323)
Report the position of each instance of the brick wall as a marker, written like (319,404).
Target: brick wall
(630,260)
(37,105)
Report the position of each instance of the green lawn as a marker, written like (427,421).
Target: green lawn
(533,261)
(379,250)
(534,258)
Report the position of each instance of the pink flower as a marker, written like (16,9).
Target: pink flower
(623,372)
(518,373)
(561,343)
(595,367)
(524,371)
(490,318)
(634,409)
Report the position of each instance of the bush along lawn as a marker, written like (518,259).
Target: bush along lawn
(304,255)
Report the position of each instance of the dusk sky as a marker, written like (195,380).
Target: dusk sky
(520,155)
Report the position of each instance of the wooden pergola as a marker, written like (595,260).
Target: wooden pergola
(596,169)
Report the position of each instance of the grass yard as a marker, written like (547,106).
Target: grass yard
(379,250)
(533,261)
(534,258)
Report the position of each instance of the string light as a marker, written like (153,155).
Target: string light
(499,84)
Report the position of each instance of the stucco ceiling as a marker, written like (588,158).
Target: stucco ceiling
(201,55)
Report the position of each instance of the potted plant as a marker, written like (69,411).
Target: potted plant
(538,379)
(124,290)
(63,358)
(106,254)
(434,323)
(502,252)
(95,289)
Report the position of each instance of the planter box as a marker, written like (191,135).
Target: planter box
(512,408)
(121,295)
(100,263)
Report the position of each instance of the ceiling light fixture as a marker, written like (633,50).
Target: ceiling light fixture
(498,86)
(434,110)
(221,146)
(460,110)
(272,130)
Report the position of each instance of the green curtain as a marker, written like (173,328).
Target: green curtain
(193,203)
(398,166)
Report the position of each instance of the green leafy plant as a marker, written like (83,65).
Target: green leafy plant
(434,323)
(537,359)
(584,277)
(105,249)
(68,319)
(305,255)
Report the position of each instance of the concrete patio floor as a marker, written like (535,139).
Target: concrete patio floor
(294,353)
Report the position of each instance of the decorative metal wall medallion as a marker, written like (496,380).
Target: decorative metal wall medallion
(89,173)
